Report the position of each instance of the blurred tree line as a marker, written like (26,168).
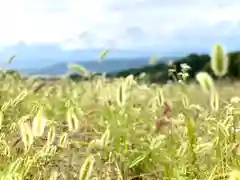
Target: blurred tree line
(159,73)
(197,62)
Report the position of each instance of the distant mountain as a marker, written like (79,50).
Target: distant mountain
(43,55)
(108,66)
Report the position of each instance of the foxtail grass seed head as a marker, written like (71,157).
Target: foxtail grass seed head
(185,101)
(142,75)
(7,150)
(121,95)
(14,176)
(234,175)
(1,119)
(87,168)
(6,105)
(160,97)
(54,175)
(14,167)
(236,149)
(214,101)
(156,142)
(206,82)
(105,137)
(129,80)
(72,120)
(95,144)
(48,150)
(219,61)
(29,162)
(63,140)
(26,135)
(39,124)
(51,135)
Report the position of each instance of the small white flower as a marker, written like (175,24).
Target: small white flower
(235,100)
(185,66)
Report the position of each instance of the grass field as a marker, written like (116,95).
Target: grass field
(120,128)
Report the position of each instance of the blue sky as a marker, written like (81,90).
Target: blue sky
(120,24)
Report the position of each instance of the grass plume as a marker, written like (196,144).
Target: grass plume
(120,129)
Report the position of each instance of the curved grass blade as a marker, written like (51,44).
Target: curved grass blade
(80,69)
(104,54)
(11,59)
(86,169)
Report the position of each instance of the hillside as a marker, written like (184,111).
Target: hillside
(108,66)
(197,62)
(156,73)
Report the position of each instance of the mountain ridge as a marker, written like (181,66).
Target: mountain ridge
(106,66)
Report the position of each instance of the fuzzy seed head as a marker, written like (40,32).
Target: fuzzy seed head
(185,101)
(51,135)
(206,82)
(54,175)
(26,134)
(105,138)
(95,144)
(1,119)
(63,140)
(72,121)
(86,169)
(214,101)
(121,95)
(156,142)
(219,61)
(39,124)
(234,175)
(160,97)
(15,165)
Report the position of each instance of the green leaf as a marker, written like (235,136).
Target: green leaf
(191,129)
(153,60)
(104,54)
(11,59)
(80,69)
(138,160)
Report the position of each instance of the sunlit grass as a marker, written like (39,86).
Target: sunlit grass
(121,129)
(115,124)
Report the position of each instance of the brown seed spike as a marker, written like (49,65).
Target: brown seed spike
(38,87)
(162,122)
(167,109)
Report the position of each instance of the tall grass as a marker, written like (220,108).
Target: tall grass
(120,130)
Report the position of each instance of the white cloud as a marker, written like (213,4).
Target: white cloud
(115,23)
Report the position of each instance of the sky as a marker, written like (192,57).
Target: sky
(120,24)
